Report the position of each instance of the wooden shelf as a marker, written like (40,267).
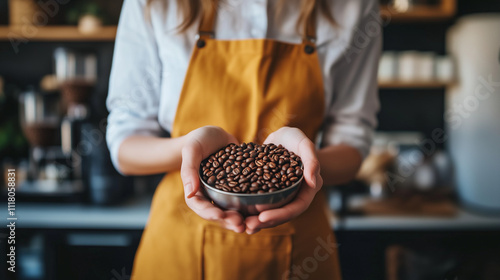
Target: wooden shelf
(55,33)
(441,12)
(414,85)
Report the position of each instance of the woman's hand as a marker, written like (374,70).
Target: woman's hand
(296,141)
(199,144)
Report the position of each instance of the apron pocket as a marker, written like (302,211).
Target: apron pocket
(230,255)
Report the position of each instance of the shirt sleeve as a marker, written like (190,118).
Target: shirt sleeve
(351,117)
(135,81)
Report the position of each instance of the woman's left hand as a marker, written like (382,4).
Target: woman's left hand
(296,141)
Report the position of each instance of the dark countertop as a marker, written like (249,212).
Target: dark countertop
(133,215)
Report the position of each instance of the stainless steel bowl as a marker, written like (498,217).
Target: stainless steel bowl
(251,204)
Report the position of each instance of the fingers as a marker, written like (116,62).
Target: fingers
(233,221)
(307,152)
(275,217)
(312,175)
(191,158)
(204,208)
(253,225)
(291,210)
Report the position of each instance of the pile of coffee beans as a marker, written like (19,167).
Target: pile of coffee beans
(251,168)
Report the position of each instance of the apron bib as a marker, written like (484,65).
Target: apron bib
(250,88)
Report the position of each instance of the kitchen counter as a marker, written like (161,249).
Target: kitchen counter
(133,215)
(464,220)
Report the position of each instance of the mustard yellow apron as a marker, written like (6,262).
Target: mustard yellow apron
(250,88)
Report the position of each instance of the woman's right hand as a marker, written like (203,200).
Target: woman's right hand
(199,144)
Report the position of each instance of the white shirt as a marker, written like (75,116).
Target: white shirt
(151,59)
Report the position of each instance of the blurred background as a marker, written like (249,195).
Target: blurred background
(425,205)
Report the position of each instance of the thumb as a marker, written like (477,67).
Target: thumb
(191,159)
(311,164)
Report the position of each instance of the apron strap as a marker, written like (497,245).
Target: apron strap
(309,39)
(207,23)
(310,27)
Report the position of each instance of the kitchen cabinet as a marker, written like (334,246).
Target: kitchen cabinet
(419,13)
(81,241)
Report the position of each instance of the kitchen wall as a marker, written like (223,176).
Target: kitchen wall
(407,110)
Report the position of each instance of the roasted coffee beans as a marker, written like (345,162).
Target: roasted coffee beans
(251,168)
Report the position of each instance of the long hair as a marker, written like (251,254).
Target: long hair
(191,10)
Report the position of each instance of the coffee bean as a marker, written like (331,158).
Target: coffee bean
(211,180)
(246,171)
(298,172)
(236,171)
(233,184)
(243,180)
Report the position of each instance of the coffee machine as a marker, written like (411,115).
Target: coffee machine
(50,174)
(69,157)
(52,121)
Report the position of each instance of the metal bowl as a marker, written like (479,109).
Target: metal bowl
(251,204)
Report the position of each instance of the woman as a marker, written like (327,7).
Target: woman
(216,72)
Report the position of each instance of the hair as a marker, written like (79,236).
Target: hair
(191,10)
